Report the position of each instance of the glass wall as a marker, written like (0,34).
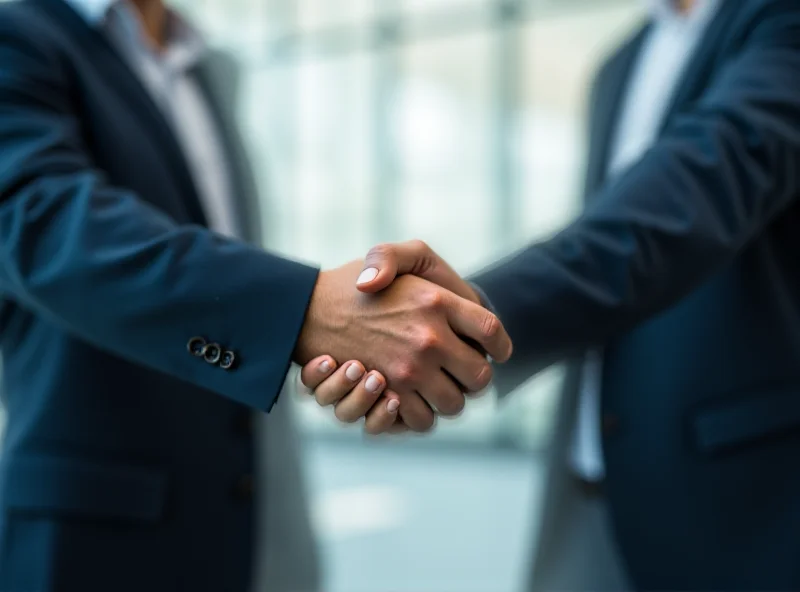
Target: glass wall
(459,122)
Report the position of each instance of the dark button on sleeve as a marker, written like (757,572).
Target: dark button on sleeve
(196,346)
(212,353)
(228,360)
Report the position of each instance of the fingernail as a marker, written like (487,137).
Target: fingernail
(372,384)
(324,366)
(393,405)
(353,372)
(369,274)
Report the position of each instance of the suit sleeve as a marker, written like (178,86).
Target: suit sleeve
(115,271)
(723,170)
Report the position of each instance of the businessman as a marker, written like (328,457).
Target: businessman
(139,331)
(678,292)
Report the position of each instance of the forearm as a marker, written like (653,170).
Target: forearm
(717,178)
(121,275)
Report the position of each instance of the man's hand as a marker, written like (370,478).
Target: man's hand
(353,394)
(385,262)
(412,333)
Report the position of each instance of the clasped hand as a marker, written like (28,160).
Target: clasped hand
(419,340)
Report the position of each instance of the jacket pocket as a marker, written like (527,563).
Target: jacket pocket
(746,420)
(79,488)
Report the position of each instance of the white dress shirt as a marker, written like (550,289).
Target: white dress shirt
(666,51)
(166,75)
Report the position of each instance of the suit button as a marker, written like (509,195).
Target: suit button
(196,346)
(228,360)
(212,353)
(244,488)
(609,424)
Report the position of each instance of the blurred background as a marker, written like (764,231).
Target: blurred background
(460,122)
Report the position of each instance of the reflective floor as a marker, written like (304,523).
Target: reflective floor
(413,518)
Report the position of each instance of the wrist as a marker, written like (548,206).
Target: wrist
(321,321)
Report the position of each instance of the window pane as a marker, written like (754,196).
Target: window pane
(317,14)
(312,120)
(549,152)
(440,6)
(550,130)
(440,129)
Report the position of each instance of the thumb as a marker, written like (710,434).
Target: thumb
(385,262)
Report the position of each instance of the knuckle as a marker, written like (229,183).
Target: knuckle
(344,416)
(483,376)
(379,251)
(419,245)
(426,423)
(402,373)
(432,299)
(428,340)
(374,428)
(452,405)
(490,326)
(322,400)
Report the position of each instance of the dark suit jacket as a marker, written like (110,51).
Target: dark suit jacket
(687,271)
(126,459)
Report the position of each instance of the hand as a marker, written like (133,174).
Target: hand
(385,262)
(410,333)
(353,393)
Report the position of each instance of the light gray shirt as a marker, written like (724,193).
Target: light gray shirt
(166,76)
(669,47)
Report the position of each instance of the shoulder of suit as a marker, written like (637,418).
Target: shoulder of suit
(29,24)
(30,16)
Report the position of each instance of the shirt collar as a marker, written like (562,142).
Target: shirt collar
(93,11)
(666,10)
(185,45)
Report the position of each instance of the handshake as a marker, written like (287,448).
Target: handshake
(413,335)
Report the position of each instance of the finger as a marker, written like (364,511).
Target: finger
(468,366)
(385,262)
(317,370)
(361,399)
(339,384)
(415,412)
(383,414)
(443,395)
(476,323)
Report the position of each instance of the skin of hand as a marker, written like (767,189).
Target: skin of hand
(411,332)
(384,263)
(351,391)
(381,266)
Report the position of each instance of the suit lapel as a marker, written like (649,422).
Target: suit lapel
(217,75)
(605,105)
(131,90)
(704,62)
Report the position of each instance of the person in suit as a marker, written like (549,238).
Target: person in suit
(143,336)
(677,295)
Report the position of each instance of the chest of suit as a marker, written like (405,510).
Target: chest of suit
(717,370)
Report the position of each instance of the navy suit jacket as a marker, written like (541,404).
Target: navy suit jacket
(126,458)
(686,270)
